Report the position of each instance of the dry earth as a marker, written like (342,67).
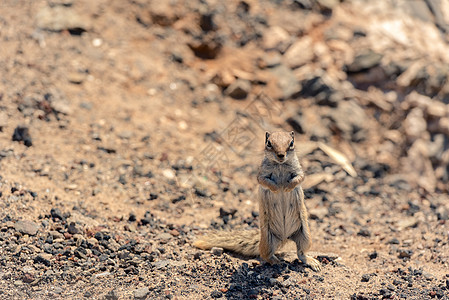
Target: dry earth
(128,128)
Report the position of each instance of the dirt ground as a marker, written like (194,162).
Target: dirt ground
(129,128)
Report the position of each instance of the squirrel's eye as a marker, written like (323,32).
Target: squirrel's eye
(292,145)
(269,145)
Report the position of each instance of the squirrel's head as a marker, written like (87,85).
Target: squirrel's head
(280,146)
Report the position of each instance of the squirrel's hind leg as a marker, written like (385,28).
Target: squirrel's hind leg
(269,243)
(303,243)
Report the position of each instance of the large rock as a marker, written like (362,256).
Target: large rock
(351,120)
(60,18)
(26,227)
(299,53)
(239,89)
(364,61)
(276,38)
(286,81)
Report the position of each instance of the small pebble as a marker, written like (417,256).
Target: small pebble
(217,251)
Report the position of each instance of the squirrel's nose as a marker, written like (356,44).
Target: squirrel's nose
(281,156)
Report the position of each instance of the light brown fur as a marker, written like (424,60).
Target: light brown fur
(283,215)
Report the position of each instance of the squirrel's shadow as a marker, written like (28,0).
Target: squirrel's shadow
(249,281)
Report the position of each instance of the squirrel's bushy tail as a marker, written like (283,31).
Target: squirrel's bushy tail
(244,242)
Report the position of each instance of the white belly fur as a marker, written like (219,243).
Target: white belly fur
(283,207)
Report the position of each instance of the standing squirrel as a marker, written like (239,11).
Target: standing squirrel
(283,215)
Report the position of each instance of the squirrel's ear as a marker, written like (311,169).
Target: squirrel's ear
(292,134)
(267,135)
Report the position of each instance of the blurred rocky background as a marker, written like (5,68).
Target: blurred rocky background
(127,127)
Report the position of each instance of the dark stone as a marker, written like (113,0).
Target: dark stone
(72,228)
(153,196)
(102,236)
(111,295)
(207,22)
(396,282)
(303,4)
(107,150)
(178,199)
(239,89)
(80,253)
(364,232)
(227,212)
(393,241)
(132,217)
(322,93)
(122,179)
(366,277)
(385,293)
(206,46)
(40,260)
(295,123)
(56,214)
(350,120)
(216,294)
(373,255)
(28,278)
(22,134)
(405,253)
(177,57)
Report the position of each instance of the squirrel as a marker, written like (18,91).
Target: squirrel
(283,214)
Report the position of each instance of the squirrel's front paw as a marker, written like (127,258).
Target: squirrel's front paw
(290,187)
(274,189)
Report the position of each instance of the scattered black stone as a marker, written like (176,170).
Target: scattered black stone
(40,260)
(56,214)
(206,46)
(359,297)
(72,228)
(216,294)
(147,219)
(373,255)
(178,199)
(405,253)
(22,134)
(207,22)
(239,89)
(111,295)
(153,196)
(385,293)
(316,88)
(177,57)
(366,277)
(295,123)
(413,208)
(107,150)
(393,241)
(122,179)
(201,192)
(102,236)
(364,232)
(227,212)
(80,253)
(364,61)
(132,217)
